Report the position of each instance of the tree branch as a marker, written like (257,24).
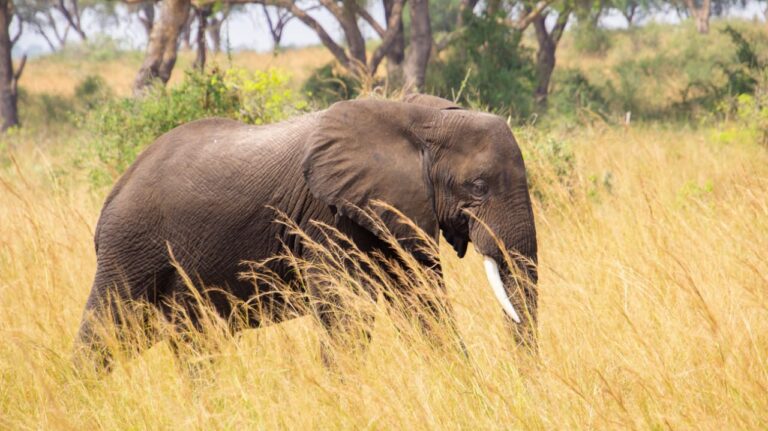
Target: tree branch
(73,22)
(562,21)
(17,74)
(16,37)
(369,19)
(396,16)
(524,21)
(310,22)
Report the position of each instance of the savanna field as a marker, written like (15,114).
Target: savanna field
(653,296)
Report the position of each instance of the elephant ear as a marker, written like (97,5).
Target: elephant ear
(367,150)
(431,101)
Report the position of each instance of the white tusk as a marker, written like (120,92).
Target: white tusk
(492,271)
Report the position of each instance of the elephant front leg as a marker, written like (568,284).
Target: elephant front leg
(346,316)
(438,323)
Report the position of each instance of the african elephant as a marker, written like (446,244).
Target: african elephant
(209,190)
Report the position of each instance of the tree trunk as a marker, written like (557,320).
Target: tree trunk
(545,56)
(163,45)
(396,52)
(417,58)
(702,22)
(186,31)
(148,20)
(203,12)
(700,14)
(214,32)
(354,37)
(8,79)
(545,62)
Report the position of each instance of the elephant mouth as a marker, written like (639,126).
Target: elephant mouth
(457,234)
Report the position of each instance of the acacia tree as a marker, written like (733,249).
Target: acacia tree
(54,19)
(162,46)
(216,19)
(146,14)
(277,18)
(9,78)
(700,11)
(548,39)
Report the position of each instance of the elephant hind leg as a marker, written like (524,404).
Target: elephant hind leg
(117,317)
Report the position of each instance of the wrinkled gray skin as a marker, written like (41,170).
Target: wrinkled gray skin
(208,189)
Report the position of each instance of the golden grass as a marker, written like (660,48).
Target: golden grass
(653,314)
(60,75)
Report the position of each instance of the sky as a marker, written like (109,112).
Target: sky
(245,30)
(249,30)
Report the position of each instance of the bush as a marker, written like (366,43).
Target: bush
(488,67)
(749,121)
(668,72)
(590,39)
(572,94)
(92,91)
(328,84)
(43,109)
(550,162)
(121,128)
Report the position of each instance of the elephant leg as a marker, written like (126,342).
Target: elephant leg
(434,311)
(116,316)
(348,326)
(438,325)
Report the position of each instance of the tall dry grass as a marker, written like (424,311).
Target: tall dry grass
(653,314)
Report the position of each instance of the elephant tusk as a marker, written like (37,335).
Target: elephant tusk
(492,272)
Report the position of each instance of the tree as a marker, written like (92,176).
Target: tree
(146,14)
(353,57)
(163,44)
(417,56)
(9,78)
(700,11)
(396,52)
(216,19)
(53,19)
(548,40)
(276,23)
(202,12)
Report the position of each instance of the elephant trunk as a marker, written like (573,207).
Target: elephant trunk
(511,272)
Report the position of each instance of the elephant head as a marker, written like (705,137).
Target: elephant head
(447,169)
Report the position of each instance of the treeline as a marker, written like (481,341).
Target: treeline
(464,49)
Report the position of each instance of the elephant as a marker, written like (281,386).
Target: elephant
(204,197)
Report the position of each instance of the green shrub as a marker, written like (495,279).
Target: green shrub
(329,84)
(43,109)
(590,39)
(749,121)
(669,72)
(572,93)
(121,128)
(549,161)
(491,68)
(92,91)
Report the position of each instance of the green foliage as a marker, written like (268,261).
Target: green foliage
(664,72)
(43,109)
(443,15)
(549,161)
(489,61)
(328,84)
(590,39)
(121,128)
(573,95)
(92,91)
(749,121)
(99,48)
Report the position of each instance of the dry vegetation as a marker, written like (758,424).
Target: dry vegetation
(60,74)
(654,314)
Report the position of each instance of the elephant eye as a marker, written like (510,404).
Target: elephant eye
(479,188)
